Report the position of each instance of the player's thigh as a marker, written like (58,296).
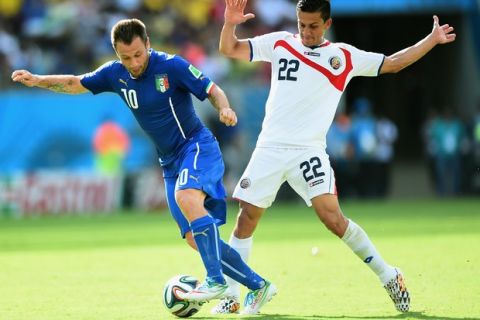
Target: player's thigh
(311,175)
(262,178)
(202,168)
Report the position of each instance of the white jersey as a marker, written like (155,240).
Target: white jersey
(306,86)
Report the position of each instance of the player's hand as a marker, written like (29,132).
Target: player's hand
(442,34)
(234,12)
(25,78)
(228,117)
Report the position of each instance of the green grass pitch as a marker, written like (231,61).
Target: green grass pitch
(114,266)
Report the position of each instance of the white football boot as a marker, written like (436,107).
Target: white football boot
(398,292)
(256,299)
(206,291)
(228,305)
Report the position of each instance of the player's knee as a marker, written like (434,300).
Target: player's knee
(334,220)
(329,212)
(245,226)
(338,227)
(247,220)
(190,240)
(184,199)
(250,212)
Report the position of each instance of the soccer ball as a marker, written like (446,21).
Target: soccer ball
(176,305)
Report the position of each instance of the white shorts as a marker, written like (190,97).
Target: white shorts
(307,171)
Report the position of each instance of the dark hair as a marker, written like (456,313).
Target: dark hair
(322,6)
(128,29)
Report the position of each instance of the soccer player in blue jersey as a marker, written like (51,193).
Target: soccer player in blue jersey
(157,88)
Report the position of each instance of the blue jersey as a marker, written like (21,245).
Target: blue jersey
(159,99)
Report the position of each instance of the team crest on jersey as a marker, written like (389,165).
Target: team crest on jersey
(245,183)
(161,82)
(335,62)
(196,73)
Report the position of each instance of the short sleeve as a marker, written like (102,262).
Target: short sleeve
(192,79)
(262,46)
(98,81)
(367,64)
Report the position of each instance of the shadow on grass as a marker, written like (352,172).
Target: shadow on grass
(407,316)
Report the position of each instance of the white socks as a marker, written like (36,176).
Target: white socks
(244,247)
(359,242)
(355,237)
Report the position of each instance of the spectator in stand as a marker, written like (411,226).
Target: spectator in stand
(430,146)
(448,133)
(387,134)
(364,137)
(274,12)
(57,36)
(10,8)
(340,149)
(476,150)
(111,144)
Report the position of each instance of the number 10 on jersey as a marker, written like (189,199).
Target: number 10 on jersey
(131,98)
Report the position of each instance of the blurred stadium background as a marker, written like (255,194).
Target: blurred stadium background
(414,134)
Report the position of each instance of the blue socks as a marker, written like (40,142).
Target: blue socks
(238,270)
(206,237)
(215,253)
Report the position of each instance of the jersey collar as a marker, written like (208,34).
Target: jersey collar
(323,44)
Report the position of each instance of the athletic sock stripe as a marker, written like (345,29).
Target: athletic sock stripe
(217,241)
(233,269)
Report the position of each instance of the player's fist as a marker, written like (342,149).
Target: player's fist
(25,77)
(228,116)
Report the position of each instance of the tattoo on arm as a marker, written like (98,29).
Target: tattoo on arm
(214,101)
(57,87)
(60,85)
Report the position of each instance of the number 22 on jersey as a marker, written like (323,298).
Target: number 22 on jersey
(287,69)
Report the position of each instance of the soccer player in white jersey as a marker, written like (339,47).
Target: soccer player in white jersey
(309,75)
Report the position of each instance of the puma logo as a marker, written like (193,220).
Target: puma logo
(123,81)
(201,233)
(194,178)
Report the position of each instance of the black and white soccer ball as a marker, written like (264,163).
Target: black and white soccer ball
(171,298)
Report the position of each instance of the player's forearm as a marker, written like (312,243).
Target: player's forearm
(228,39)
(218,99)
(61,83)
(402,59)
(232,47)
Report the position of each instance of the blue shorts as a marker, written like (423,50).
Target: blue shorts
(199,166)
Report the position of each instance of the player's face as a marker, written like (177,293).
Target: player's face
(134,56)
(312,28)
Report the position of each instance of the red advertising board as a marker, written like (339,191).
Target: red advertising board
(59,193)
